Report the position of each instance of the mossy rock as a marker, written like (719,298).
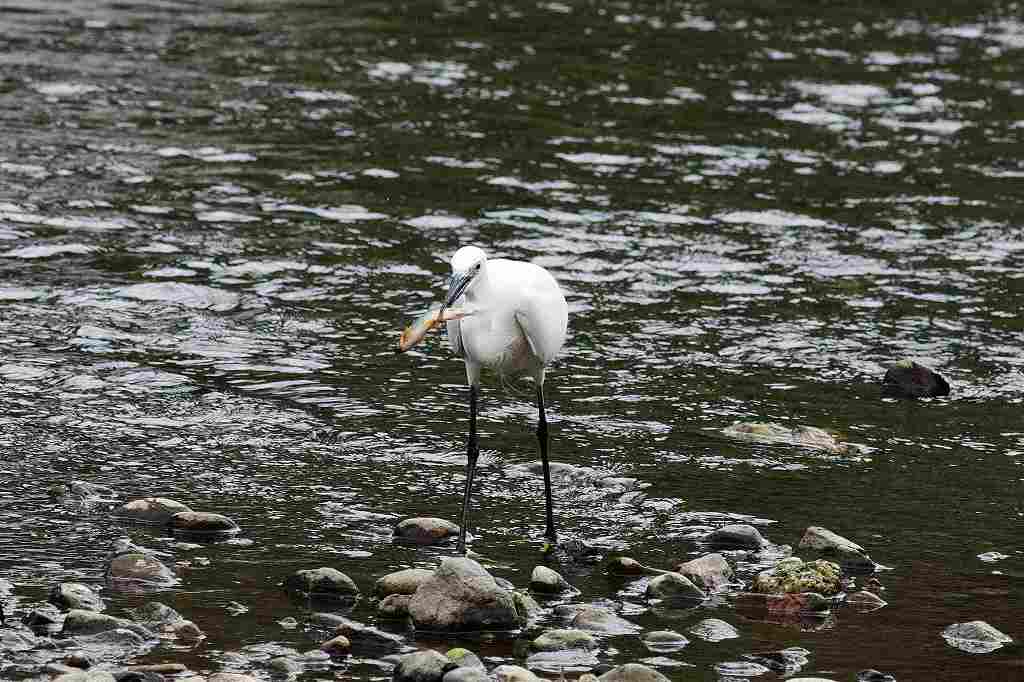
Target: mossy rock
(793,575)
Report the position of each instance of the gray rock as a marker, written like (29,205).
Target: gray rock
(976,637)
(737,536)
(282,665)
(632,672)
(849,555)
(907,379)
(155,615)
(153,510)
(406,581)
(394,606)
(543,580)
(872,675)
(186,631)
(713,630)
(40,620)
(202,524)
(464,658)
(422,666)
(230,677)
(673,586)
(139,568)
(866,601)
(86,676)
(337,646)
(526,606)
(785,661)
(664,641)
(461,595)
(513,673)
(321,583)
(593,619)
(559,640)
(427,530)
(624,565)
(557,662)
(466,675)
(80,622)
(363,636)
(708,572)
(76,596)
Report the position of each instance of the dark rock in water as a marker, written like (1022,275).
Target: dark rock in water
(783,608)
(708,572)
(425,530)
(363,636)
(714,630)
(406,581)
(77,659)
(793,575)
(674,586)
(202,524)
(321,583)
(154,510)
(785,661)
(139,568)
(559,640)
(872,675)
(79,622)
(284,666)
(155,615)
(394,606)
(337,647)
(16,641)
(158,668)
(664,641)
(75,596)
(736,536)
(422,666)
(513,673)
(572,552)
(632,672)
(848,554)
(526,606)
(464,658)
(593,619)
(624,565)
(462,595)
(976,637)
(543,580)
(42,619)
(907,379)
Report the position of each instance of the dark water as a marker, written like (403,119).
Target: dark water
(215,219)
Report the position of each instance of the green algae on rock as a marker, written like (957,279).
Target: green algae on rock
(793,575)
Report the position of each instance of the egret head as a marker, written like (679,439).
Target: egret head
(467,264)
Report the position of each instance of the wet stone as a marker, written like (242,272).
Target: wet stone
(633,672)
(708,572)
(282,665)
(976,637)
(624,565)
(793,575)
(849,555)
(75,596)
(359,634)
(425,530)
(713,630)
(140,568)
(321,583)
(558,640)
(673,586)
(80,622)
(77,659)
(563,661)
(202,524)
(872,675)
(462,674)
(464,658)
(866,601)
(337,646)
(86,676)
(422,666)
(231,677)
(513,673)
(785,661)
(908,379)
(406,581)
(736,536)
(593,619)
(730,669)
(543,580)
(151,510)
(462,595)
(394,606)
(664,641)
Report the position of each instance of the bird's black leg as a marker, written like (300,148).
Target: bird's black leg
(472,452)
(542,438)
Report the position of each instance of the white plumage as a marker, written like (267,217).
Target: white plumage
(516,327)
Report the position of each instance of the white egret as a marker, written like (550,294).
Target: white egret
(517,326)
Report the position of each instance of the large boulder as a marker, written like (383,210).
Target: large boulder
(321,583)
(907,379)
(153,510)
(76,596)
(462,595)
(850,555)
(708,572)
(793,575)
(406,581)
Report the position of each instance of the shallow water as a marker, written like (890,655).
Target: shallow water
(215,219)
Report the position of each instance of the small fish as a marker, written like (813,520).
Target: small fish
(417,331)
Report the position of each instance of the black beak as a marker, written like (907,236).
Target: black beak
(457,284)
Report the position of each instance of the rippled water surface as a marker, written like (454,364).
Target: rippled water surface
(216,217)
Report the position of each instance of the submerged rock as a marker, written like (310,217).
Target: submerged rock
(594,619)
(866,601)
(976,637)
(713,630)
(202,524)
(152,510)
(632,672)
(793,575)
(80,622)
(462,595)
(872,675)
(426,530)
(624,565)
(543,580)
(664,641)
(139,568)
(394,606)
(777,434)
(321,583)
(406,581)
(737,536)
(786,661)
(422,666)
(849,554)
(559,640)
(708,572)
(674,586)
(165,621)
(363,636)
(76,596)
(907,379)
(513,673)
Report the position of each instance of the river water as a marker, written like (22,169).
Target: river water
(216,217)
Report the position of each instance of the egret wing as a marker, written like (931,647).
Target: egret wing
(455,337)
(544,318)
